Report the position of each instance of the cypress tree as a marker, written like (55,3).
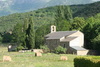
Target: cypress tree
(30,35)
(25,27)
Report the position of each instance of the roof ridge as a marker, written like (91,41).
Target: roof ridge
(59,34)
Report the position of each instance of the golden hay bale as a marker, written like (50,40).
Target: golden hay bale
(63,58)
(6,58)
(38,54)
(38,50)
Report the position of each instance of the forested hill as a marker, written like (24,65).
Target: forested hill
(88,10)
(46,15)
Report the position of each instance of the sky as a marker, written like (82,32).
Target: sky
(3,0)
(95,0)
(49,0)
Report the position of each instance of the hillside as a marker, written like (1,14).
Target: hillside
(88,10)
(12,6)
(46,15)
(41,16)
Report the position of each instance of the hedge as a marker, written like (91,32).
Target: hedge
(87,62)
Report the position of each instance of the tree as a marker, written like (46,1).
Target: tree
(91,31)
(78,23)
(68,14)
(24,35)
(96,43)
(25,27)
(58,16)
(1,38)
(87,30)
(6,37)
(63,18)
(64,25)
(39,35)
(95,40)
(18,33)
(30,35)
(18,36)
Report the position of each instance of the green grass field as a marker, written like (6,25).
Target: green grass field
(29,60)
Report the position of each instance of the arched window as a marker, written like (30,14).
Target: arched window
(53,28)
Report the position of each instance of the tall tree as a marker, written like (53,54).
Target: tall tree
(30,35)
(18,34)
(25,27)
(39,37)
(96,42)
(68,14)
(63,17)
(92,31)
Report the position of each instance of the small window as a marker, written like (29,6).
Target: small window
(64,46)
(53,28)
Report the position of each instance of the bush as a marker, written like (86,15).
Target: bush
(45,48)
(87,62)
(1,39)
(19,48)
(60,49)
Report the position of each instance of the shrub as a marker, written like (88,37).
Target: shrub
(86,62)
(60,49)
(19,48)
(45,48)
(1,39)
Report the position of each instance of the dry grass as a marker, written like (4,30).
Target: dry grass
(29,60)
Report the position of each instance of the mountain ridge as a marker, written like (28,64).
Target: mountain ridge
(17,6)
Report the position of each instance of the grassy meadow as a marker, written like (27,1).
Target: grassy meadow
(28,59)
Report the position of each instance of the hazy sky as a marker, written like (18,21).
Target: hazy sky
(95,0)
(2,0)
(49,0)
